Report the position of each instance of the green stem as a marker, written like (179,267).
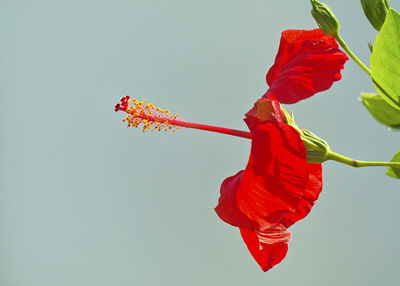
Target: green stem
(352,55)
(363,66)
(357,164)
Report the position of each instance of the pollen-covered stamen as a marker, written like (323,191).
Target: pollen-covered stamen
(153,118)
(148,115)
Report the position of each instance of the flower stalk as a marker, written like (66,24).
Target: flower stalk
(343,44)
(357,163)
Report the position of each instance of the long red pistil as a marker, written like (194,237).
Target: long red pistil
(158,119)
(217,129)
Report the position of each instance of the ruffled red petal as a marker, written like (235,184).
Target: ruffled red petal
(228,205)
(276,175)
(308,61)
(267,248)
(311,194)
(274,181)
(277,188)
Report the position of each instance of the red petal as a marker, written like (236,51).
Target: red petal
(276,174)
(273,182)
(267,248)
(267,109)
(228,206)
(277,188)
(313,189)
(307,62)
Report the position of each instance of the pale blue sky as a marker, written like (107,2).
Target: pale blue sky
(86,201)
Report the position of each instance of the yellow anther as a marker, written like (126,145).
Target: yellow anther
(150,117)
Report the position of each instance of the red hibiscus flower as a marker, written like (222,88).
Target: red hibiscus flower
(277,188)
(307,62)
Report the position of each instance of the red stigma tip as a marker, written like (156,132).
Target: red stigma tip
(123,104)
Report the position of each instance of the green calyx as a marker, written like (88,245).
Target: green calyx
(317,149)
(376,11)
(325,18)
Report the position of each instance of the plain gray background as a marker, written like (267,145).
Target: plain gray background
(86,201)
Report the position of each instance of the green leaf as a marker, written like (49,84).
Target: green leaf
(385,60)
(382,111)
(394,172)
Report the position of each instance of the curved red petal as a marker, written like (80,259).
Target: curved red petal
(277,188)
(276,174)
(228,207)
(311,194)
(273,182)
(307,62)
(298,36)
(267,109)
(267,248)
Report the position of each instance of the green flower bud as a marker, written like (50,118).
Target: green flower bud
(325,18)
(316,148)
(375,10)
